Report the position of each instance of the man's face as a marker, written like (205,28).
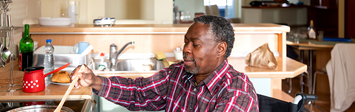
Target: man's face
(200,49)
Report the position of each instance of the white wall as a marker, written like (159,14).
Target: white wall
(150,11)
(130,9)
(21,11)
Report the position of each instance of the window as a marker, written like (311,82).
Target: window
(221,4)
(227,8)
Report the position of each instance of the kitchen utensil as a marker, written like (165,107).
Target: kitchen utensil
(2,60)
(87,50)
(40,108)
(6,53)
(104,22)
(2,46)
(81,70)
(60,21)
(81,47)
(60,68)
(33,80)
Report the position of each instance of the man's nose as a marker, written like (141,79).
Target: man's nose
(187,48)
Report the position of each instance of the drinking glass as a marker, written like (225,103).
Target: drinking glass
(296,38)
(320,35)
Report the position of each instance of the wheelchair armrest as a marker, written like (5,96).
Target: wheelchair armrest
(304,98)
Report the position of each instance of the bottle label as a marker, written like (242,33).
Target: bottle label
(312,34)
(101,67)
(20,62)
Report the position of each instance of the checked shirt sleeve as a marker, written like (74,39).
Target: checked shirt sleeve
(239,96)
(237,101)
(136,94)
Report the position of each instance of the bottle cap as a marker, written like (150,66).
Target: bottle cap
(102,54)
(49,40)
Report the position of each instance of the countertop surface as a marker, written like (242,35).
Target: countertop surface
(286,68)
(241,28)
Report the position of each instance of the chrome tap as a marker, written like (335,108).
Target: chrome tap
(114,54)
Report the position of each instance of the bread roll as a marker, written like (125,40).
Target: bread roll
(61,77)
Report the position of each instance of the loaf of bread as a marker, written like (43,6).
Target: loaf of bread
(61,77)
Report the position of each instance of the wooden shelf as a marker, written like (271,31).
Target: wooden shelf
(323,7)
(273,7)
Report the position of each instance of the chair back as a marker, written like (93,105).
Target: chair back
(212,10)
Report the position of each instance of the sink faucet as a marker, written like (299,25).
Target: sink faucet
(114,54)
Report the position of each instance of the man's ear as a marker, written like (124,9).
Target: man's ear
(222,48)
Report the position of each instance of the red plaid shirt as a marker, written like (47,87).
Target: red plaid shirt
(173,89)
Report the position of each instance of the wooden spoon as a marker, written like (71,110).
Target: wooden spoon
(59,107)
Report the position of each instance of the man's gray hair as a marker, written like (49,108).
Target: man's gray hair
(221,28)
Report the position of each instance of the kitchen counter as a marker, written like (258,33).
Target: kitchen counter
(147,28)
(51,92)
(285,69)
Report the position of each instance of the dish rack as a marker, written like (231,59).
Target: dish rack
(7,28)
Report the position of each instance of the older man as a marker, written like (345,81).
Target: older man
(204,81)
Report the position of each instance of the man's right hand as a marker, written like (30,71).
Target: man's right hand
(87,78)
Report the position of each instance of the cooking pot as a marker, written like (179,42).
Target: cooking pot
(33,80)
(40,108)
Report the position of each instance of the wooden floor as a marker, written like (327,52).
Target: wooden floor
(323,102)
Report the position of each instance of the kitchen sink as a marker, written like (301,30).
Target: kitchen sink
(138,65)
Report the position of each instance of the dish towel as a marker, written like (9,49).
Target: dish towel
(341,74)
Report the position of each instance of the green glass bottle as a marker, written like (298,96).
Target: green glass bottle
(26,49)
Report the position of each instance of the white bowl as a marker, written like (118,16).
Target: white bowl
(60,21)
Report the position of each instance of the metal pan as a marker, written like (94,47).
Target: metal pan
(40,108)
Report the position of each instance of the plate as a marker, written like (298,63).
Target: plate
(57,83)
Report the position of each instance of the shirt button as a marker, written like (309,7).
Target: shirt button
(195,89)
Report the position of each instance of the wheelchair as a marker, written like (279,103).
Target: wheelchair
(269,104)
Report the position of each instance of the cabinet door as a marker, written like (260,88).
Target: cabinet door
(349,18)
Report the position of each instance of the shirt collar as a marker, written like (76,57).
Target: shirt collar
(214,79)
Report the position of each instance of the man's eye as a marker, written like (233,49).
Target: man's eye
(196,45)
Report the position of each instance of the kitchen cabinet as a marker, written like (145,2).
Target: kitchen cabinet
(291,15)
(324,13)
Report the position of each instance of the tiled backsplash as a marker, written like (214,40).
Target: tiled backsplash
(21,10)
